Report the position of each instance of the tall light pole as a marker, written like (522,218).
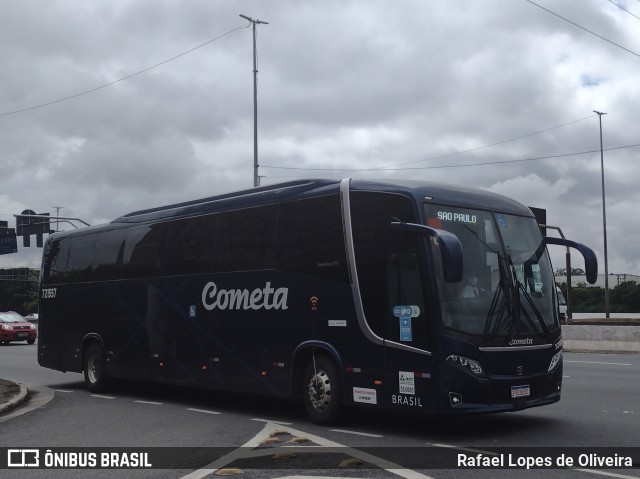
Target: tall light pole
(57,208)
(256,178)
(604,222)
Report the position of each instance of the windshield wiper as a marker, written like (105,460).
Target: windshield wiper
(497,310)
(499,306)
(520,288)
(533,307)
(506,304)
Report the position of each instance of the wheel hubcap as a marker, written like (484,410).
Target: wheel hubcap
(92,369)
(320,391)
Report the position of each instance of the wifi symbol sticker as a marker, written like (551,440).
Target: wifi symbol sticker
(314,303)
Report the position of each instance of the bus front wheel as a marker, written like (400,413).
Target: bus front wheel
(94,364)
(321,390)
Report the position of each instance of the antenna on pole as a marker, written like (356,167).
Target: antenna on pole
(256,178)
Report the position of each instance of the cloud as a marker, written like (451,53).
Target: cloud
(420,87)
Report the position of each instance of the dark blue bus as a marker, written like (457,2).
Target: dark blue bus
(398,295)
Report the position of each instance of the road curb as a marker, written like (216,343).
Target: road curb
(16,400)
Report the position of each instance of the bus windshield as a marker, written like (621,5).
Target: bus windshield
(507,286)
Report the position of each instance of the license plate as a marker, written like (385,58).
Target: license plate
(520,391)
(23,335)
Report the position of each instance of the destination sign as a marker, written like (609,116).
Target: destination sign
(457,217)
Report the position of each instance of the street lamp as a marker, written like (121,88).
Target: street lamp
(604,223)
(256,178)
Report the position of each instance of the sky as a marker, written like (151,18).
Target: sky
(112,106)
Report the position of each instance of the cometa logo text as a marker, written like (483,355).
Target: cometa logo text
(259,298)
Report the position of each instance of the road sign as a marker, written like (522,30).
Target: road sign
(8,242)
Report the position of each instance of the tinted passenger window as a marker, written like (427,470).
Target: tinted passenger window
(80,257)
(237,240)
(54,264)
(191,245)
(143,250)
(246,239)
(109,254)
(69,259)
(310,238)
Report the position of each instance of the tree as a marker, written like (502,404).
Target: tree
(23,298)
(574,272)
(625,298)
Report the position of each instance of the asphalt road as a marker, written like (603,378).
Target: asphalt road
(599,408)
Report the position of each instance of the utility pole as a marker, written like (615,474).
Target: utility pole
(604,222)
(256,178)
(57,208)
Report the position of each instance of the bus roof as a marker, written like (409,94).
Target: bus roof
(420,190)
(450,195)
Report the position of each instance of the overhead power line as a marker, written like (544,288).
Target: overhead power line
(583,28)
(60,100)
(622,8)
(436,167)
(447,155)
(493,144)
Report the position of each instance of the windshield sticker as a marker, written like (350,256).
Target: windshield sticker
(457,217)
(404,314)
(405,329)
(502,221)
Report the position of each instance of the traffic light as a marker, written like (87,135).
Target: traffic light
(29,223)
(8,242)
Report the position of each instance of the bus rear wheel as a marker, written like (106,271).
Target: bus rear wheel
(95,378)
(321,391)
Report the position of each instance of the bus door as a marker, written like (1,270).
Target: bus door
(407,358)
(392,296)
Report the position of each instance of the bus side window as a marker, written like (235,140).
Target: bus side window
(108,254)
(142,249)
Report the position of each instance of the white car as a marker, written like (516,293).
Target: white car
(562,305)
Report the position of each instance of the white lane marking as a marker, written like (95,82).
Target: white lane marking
(203,410)
(459,448)
(63,391)
(599,362)
(101,396)
(344,431)
(148,402)
(314,477)
(257,419)
(247,451)
(605,473)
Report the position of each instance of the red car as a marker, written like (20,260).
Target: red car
(14,327)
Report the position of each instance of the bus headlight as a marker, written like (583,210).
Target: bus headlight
(469,365)
(555,360)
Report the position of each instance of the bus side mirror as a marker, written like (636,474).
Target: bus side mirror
(450,248)
(590,259)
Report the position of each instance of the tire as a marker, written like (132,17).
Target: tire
(31,341)
(95,378)
(322,391)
